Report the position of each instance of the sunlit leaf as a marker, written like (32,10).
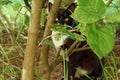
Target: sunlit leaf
(58,36)
(101,40)
(110,11)
(16,6)
(62,29)
(48,42)
(1,29)
(89,11)
(79,37)
(113,18)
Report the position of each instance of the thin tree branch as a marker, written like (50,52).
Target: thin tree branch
(27,4)
(81,49)
(5,18)
(12,37)
(48,37)
(72,47)
(17,15)
(109,2)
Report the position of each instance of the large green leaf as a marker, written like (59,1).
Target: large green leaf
(89,11)
(101,40)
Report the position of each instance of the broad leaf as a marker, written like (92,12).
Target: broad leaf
(63,30)
(101,40)
(79,37)
(89,11)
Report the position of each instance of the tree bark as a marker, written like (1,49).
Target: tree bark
(45,70)
(28,64)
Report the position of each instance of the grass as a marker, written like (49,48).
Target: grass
(112,65)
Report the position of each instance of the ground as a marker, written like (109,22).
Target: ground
(11,58)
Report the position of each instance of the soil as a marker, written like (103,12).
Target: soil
(17,58)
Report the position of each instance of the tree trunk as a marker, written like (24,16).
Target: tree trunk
(44,67)
(28,64)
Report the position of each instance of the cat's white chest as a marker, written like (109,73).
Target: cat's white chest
(58,39)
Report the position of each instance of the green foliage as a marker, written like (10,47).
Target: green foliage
(90,14)
(89,11)
(43,17)
(101,40)
(110,10)
(11,70)
(79,37)
(63,30)
(16,6)
(48,42)
(4,2)
(1,29)
(17,1)
(27,19)
(65,63)
(112,67)
(2,77)
(113,17)
(15,11)
(14,20)
(99,37)
(37,74)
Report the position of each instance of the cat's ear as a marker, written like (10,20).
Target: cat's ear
(72,6)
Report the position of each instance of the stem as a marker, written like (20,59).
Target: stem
(7,28)
(45,72)
(72,47)
(109,2)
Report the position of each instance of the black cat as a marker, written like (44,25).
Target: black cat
(81,63)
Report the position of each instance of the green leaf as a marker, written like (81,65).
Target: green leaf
(0,5)
(89,11)
(16,6)
(110,10)
(79,37)
(1,28)
(113,18)
(2,77)
(43,17)
(58,36)
(61,28)
(100,40)
(27,19)
(37,74)
(48,42)
(17,1)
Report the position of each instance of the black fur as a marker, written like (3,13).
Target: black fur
(87,60)
(64,17)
